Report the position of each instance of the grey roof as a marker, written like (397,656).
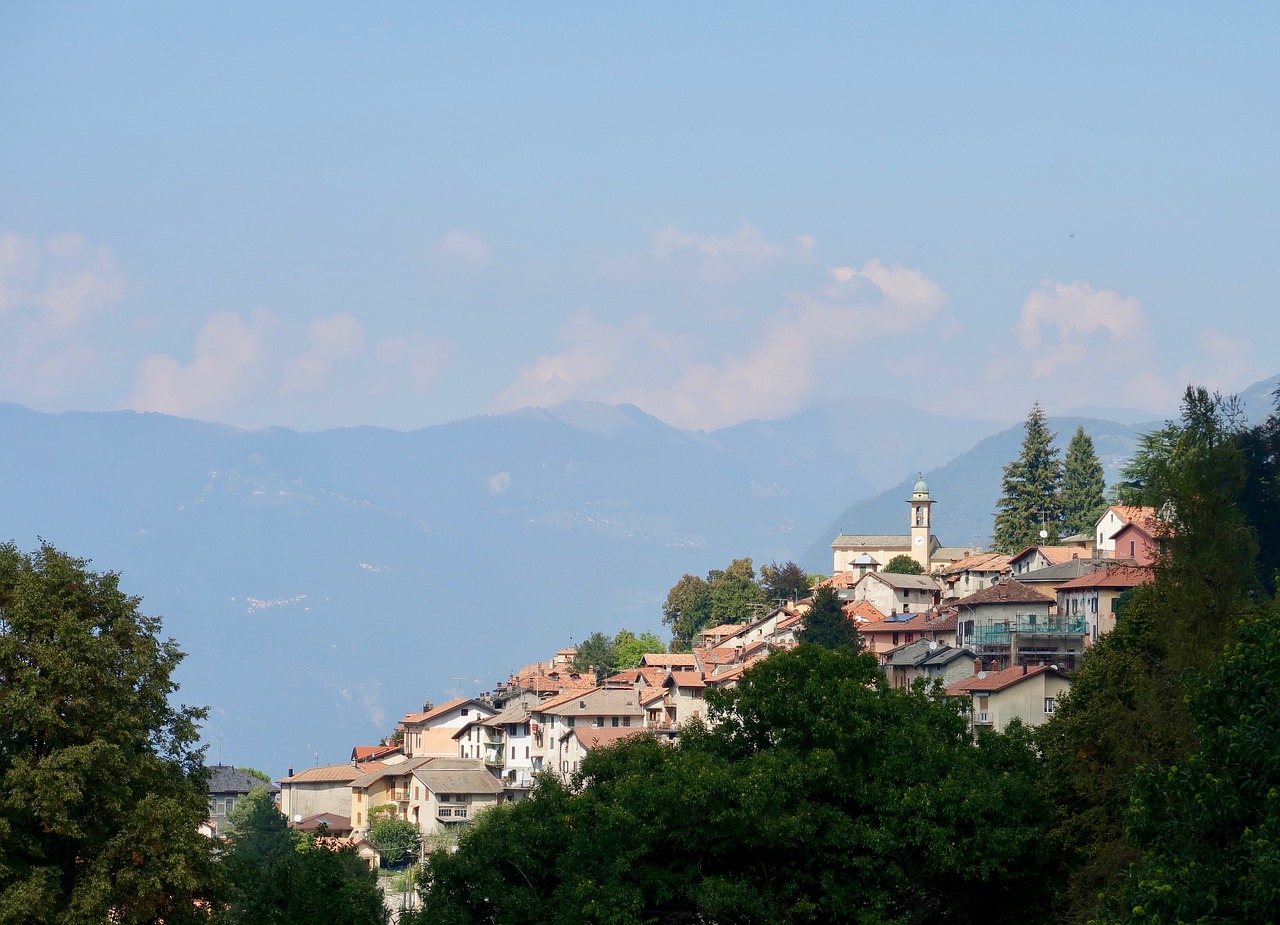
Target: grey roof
(865,559)
(391,770)
(225,779)
(604,702)
(918,653)
(1073,568)
(895,580)
(872,540)
(472,779)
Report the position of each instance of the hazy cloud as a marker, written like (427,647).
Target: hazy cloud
(466,248)
(333,339)
(1059,322)
(228,363)
(420,359)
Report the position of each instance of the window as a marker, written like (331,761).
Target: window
(1095,604)
(416,792)
(911,637)
(617,721)
(466,711)
(1132,548)
(445,812)
(231,803)
(1050,704)
(895,639)
(445,798)
(626,720)
(569,722)
(526,751)
(513,751)
(357,818)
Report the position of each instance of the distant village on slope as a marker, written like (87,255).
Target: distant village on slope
(1004,632)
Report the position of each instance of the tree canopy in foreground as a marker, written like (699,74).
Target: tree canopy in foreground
(101,782)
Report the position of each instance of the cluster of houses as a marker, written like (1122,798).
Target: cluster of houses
(1002,631)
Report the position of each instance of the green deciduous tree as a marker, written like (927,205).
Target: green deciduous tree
(736,596)
(818,795)
(687,610)
(101,784)
(786,582)
(1208,827)
(731,595)
(396,840)
(284,878)
(1030,497)
(903,564)
(1083,486)
(629,648)
(827,625)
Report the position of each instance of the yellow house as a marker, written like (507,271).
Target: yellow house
(1022,692)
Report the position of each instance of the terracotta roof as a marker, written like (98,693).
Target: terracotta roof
(1010,590)
(668,659)
(999,680)
(1054,554)
(363,753)
(1130,513)
(651,676)
(840,580)
(1122,577)
(649,696)
(931,621)
(566,697)
(394,770)
(329,772)
(688,678)
(979,562)
(724,629)
(599,702)
(334,822)
(603,736)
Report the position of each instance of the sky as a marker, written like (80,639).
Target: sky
(318,215)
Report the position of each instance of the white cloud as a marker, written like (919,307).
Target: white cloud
(777,370)
(227,364)
(747,243)
(420,359)
(1060,322)
(333,339)
(458,247)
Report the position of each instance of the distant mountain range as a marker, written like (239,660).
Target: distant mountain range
(324,583)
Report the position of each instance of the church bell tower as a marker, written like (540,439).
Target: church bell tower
(921,522)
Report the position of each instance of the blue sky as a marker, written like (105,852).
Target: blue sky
(316,215)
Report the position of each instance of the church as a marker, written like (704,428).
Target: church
(870,552)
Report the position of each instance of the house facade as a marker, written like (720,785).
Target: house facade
(996,698)
(893,594)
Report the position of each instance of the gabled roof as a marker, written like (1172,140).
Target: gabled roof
(1130,513)
(333,821)
(363,753)
(873,541)
(223,778)
(979,562)
(417,719)
(723,630)
(930,621)
(1054,554)
(903,582)
(924,652)
(863,612)
(692,679)
(1063,571)
(1118,577)
(668,659)
(339,773)
(1000,680)
(602,701)
(1008,591)
(455,777)
(393,770)
(642,677)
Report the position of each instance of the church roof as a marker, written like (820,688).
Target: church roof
(871,541)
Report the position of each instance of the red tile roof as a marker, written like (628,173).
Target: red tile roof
(979,562)
(1010,590)
(665,659)
(435,713)
(1120,577)
(863,612)
(999,680)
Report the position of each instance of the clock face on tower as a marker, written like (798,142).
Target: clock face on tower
(919,540)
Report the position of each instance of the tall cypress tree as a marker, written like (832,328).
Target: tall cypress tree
(1083,486)
(1031,491)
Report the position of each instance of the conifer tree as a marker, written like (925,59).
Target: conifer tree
(827,625)
(1031,493)
(1083,486)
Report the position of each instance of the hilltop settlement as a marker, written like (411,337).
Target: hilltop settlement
(1002,632)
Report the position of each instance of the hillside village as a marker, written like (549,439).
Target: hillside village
(1003,632)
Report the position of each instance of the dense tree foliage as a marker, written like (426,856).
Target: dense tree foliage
(103,789)
(903,564)
(1084,486)
(818,795)
(1208,826)
(284,878)
(1030,499)
(729,596)
(1260,502)
(629,649)
(596,653)
(396,840)
(827,625)
(786,582)
(1127,708)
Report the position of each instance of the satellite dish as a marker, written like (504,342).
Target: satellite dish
(981,675)
(297,817)
(932,645)
(1044,534)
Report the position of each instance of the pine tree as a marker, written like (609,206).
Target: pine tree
(1083,486)
(1031,492)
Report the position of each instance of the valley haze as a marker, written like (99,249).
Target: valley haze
(323,584)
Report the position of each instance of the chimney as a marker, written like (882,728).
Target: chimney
(977,665)
(290,774)
(426,707)
(1024,668)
